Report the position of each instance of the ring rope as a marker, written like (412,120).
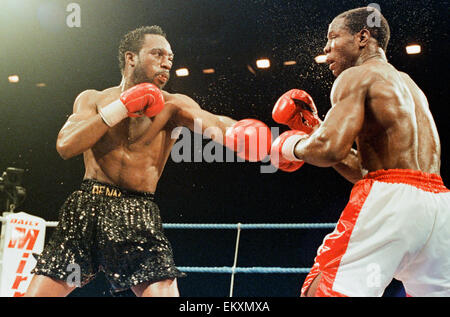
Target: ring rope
(230,225)
(231,270)
(249,226)
(234,269)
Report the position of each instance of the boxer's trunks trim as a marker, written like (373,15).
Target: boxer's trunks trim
(99,188)
(424,181)
(106,228)
(335,244)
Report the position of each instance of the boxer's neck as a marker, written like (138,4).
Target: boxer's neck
(126,83)
(371,54)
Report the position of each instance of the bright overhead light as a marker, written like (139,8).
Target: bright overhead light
(289,63)
(413,49)
(320,59)
(263,63)
(41,85)
(181,72)
(209,71)
(13,78)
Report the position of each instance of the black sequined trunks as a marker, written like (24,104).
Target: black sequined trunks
(103,227)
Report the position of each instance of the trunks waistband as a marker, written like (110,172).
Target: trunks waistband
(425,181)
(96,187)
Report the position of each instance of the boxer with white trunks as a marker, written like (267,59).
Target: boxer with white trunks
(397,221)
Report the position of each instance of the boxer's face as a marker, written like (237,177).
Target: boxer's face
(154,61)
(342,49)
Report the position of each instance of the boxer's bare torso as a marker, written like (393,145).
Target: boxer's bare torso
(133,153)
(397,128)
(375,106)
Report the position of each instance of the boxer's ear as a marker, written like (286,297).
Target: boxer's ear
(363,37)
(130,57)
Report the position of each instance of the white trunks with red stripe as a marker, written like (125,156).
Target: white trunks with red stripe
(396,224)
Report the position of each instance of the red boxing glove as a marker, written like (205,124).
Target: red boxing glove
(251,139)
(297,110)
(141,99)
(282,152)
(156,106)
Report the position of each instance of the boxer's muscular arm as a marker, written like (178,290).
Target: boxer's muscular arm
(83,128)
(332,142)
(350,167)
(190,115)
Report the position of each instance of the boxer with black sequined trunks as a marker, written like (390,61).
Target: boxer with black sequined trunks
(104,227)
(125,134)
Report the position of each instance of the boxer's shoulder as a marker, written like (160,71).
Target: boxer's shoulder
(354,80)
(179,100)
(91,99)
(96,96)
(111,93)
(361,75)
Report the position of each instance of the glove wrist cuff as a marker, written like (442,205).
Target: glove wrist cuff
(113,113)
(288,148)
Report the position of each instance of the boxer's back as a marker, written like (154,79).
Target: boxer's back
(398,130)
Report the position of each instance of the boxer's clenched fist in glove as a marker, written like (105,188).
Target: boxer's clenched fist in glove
(251,139)
(297,110)
(143,99)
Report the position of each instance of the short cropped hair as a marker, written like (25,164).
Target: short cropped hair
(133,41)
(360,18)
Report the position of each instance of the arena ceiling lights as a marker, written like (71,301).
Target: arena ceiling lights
(263,63)
(208,71)
(320,59)
(413,49)
(182,72)
(289,63)
(13,79)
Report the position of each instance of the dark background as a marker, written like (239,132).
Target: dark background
(226,35)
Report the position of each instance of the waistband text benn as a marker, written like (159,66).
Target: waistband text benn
(105,190)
